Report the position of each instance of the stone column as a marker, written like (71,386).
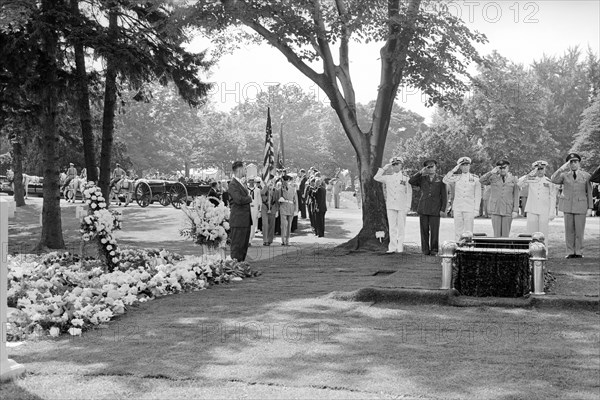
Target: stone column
(8,368)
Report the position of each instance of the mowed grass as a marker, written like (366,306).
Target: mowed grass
(282,335)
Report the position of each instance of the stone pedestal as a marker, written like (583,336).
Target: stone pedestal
(9,369)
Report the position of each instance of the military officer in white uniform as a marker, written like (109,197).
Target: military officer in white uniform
(467,196)
(576,202)
(254,189)
(541,203)
(397,202)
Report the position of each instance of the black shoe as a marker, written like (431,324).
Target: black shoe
(578,255)
(571,256)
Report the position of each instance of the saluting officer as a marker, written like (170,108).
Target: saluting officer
(397,201)
(576,202)
(503,204)
(467,196)
(541,204)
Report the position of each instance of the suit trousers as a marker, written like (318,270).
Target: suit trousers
(538,223)
(286,228)
(430,233)
(463,221)
(319,218)
(501,225)
(574,227)
(239,242)
(396,222)
(254,215)
(336,200)
(301,205)
(268,225)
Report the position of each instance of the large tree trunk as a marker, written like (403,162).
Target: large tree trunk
(51,236)
(85,114)
(17,165)
(110,99)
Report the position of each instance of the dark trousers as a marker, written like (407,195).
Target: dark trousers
(319,218)
(240,238)
(430,233)
(311,216)
(301,205)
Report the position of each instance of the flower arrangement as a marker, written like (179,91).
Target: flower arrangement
(206,223)
(100,223)
(54,294)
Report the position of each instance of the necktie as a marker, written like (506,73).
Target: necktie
(574,175)
(503,180)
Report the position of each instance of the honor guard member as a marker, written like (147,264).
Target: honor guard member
(467,196)
(503,204)
(575,202)
(432,205)
(254,188)
(118,174)
(541,204)
(397,201)
(71,174)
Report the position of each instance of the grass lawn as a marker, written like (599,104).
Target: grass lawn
(283,335)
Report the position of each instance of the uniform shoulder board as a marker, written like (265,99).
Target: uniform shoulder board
(475,175)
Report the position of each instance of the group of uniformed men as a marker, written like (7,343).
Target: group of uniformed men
(575,201)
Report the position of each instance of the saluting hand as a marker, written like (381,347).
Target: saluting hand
(565,166)
(495,170)
(423,170)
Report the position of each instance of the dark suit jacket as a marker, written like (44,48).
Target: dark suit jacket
(321,199)
(434,196)
(302,187)
(240,200)
(595,176)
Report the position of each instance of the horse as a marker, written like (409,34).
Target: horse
(124,187)
(27,179)
(76,184)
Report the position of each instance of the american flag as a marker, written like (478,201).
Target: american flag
(269,157)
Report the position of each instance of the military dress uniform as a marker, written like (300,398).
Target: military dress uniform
(432,202)
(503,201)
(574,202)
(397,202)
(467,197)
(255,207)
(541,204)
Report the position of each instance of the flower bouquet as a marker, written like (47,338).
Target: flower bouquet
(100,224)
(206,223)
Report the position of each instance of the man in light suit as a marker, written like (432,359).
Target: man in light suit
(503,204)
(467,196)
(338,186)
(397,201)
(541,204)
(576,202)
(240,218)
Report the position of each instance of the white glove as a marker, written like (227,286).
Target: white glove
(514,214)
(282,200)
(589,212)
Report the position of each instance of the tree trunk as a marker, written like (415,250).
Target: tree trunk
(85,114)
(51,236)
(186,166)
(17,165)
(110,99)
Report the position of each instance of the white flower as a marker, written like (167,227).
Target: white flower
(93,205)
(75,331)
(77,322)
(54,331)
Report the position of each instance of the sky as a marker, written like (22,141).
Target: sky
(522,31)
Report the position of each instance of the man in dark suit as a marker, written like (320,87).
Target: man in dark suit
(320,207)
(301,189)
(240,218)
(432,205)
(575,202)
(595,178)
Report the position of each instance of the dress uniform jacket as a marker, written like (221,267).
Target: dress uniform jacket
(434,195)
(467,192)
(504,194)
(576,196)
(289,194)
(398,190)
(542,194)
(270,204)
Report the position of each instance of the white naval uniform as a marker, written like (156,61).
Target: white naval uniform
(541,203)
(467,198)
(254,210)
(397,201)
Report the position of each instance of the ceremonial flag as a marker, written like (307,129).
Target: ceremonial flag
(269,156)
(280,153)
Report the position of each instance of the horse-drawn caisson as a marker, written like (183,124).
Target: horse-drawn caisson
(147,191)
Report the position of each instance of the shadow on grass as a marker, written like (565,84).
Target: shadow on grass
(11,390)
(282,329)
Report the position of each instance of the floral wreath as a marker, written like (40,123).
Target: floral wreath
(100,223)
(206,223)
